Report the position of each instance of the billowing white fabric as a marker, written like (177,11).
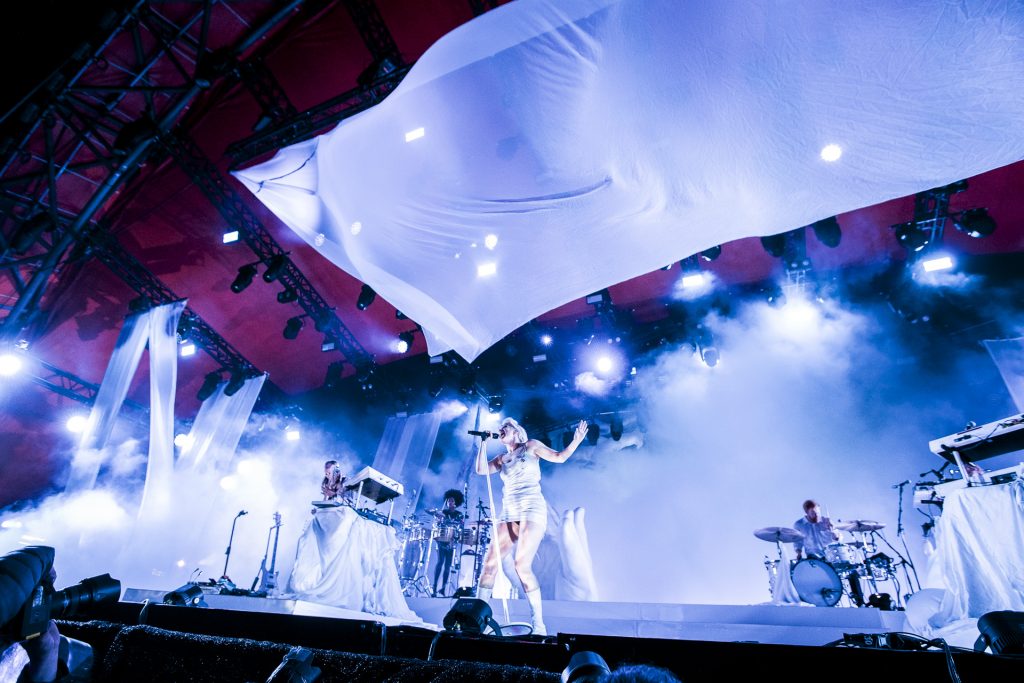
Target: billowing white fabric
(403,453)
(345,560)
(124,360)
(1008,355)
(979,546)
(163,381)
(219,425)
(598,140)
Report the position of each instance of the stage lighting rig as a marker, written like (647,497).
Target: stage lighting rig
(244,278)
(237,381)
(366,297)
(210,383)
(931,212)
(405,340)
(294,326)
(287,296)
(275,266)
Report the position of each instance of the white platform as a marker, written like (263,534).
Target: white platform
(785,625)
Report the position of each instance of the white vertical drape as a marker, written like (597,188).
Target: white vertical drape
(1008,355)
(163,380)
(85,464)
(218,427)
(404,450)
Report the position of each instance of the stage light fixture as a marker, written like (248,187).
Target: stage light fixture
(616,427)
(600,299)
(235,382)
(187,349)
(470,615)
(244,278)
(712,253)
(292,435)
(229,237)
(692,280)
(210,383)
(287,296)
(1002,632)
(189,595)
(486,269)
(366,297)
(275,266)
(10,365)
(938,263)
(546,340)
(828,232)
(404,342)
(76,424)
(604,364)
(910,236)
(831,152)
(975,222)
(495,404)
(775,245)
(328,344)
(293,327)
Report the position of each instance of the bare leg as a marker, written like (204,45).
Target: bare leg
(498,548)
(530,536)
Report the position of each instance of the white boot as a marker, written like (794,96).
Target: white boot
(536,613)
(483,593)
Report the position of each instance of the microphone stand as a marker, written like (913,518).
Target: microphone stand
(227,553)
(904,559)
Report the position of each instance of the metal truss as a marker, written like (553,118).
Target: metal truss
(237,214)
(315,120)
(74,387)
(373,30)
(68,147)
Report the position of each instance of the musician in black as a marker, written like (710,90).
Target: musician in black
(332,487)
(449,521)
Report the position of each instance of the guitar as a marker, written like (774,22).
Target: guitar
(268,577)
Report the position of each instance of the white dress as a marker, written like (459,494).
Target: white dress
(521,497)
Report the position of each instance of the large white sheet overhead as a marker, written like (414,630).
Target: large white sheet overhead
(597,140)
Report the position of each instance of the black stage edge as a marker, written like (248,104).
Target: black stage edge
(338,641)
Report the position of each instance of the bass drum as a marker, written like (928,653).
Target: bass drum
(817,583)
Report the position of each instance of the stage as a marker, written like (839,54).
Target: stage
(769,624)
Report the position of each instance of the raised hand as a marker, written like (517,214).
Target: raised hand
(581,431)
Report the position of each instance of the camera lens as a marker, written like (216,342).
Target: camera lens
(97,589)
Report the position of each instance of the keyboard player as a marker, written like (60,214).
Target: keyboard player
(333,485)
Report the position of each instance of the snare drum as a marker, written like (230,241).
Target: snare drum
(470,535)
(817,583)
(840,553)
(446,534)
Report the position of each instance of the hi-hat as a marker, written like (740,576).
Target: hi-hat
(778,534)
(859,525)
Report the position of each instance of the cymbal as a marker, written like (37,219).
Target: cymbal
(778,534)
(860,525)
(433,511)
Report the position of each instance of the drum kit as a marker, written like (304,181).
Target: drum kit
(823,581)
(419,534)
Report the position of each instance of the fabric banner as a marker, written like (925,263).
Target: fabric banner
(404,451)
(218,426)
(1008,355)
(551,148)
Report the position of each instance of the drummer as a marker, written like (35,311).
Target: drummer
(448,516)
(817,532)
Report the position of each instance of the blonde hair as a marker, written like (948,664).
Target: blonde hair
(520,432)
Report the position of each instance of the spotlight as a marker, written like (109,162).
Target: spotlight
(585,667)
(189,595)
(709,355)
(404,342)
(604,364)
(292,327)
(599,299)
(775,245)
(975,222)
(244,278)
(1003,632)
(292,435)
(910,236)
(76,424)
(937,263)
(593,433)
(366,297)
(229,237)
(210,383)
(328,344)
(692,280)
(827,231)
(470,615)
(187,349)
(616,428)
(546,340)
(235,383)
(275,265)
(712,253)
(287,295)
(10,365)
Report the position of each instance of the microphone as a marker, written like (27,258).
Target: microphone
(242,512)
(485,435)
(900,485)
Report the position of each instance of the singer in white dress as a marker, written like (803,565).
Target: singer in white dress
(523,517)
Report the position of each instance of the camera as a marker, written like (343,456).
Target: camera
(30,568)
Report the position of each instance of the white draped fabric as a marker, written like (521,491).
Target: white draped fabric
(163,381)
(404,450)
(978,552)
(597,140)
(219,425)
(345,560)
(85,465)
(1008,355)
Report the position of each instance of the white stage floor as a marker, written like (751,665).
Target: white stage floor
(783,625)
